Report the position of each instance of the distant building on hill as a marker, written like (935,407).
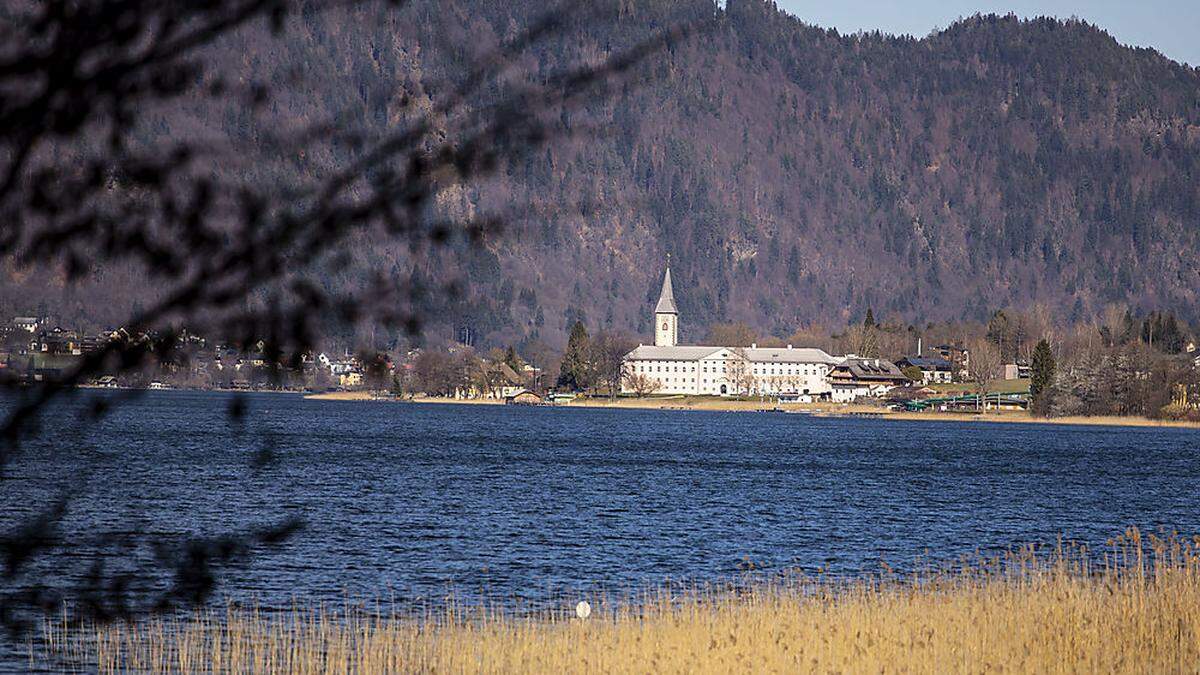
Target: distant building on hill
(666,367)
(27,323)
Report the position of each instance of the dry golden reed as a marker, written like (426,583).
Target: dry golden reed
(1134,609)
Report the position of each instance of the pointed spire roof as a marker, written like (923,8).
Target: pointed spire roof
(666,299)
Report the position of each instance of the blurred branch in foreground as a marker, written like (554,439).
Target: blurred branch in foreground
(235,262)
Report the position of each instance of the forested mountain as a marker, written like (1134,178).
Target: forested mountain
(795,175)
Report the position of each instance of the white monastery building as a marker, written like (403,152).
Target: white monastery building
(666,367)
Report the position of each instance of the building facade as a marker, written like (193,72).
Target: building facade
(934,370)
(854,378)
(666,367)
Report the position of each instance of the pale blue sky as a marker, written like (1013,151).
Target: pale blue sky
(1170,26)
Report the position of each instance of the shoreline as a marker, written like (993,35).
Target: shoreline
(694,403)
(813,409)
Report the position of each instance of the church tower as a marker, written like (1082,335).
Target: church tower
(666,317)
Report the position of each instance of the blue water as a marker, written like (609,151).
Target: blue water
(407,502)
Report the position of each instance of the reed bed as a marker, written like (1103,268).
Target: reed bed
(1134,608)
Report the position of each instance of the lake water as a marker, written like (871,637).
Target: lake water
(406,502)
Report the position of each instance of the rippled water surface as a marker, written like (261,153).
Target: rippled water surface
(406,501)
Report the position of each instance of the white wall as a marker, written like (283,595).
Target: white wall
(706,376)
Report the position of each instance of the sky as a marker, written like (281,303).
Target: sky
(1170,26)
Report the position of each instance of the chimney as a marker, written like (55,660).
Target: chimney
(789,346)
(753,345)
(918,346)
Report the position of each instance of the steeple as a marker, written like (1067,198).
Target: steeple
(666,316)
(666,299)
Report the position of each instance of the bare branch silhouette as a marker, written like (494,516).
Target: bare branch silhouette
(233,262)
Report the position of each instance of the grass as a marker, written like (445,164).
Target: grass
(1134,609)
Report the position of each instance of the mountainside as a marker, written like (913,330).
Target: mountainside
(794,175)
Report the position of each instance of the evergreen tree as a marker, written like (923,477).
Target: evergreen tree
(512,360)
(1042,381)
(575,372)
(869,322)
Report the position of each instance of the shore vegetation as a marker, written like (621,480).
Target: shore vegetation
(1135,607)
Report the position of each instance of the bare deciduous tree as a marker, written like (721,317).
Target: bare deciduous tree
(608,352)
(983,366)
(641,384)
(740,374)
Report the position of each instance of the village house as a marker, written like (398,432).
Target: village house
(856,378)
(58,341)
(90,344)
(531,375)
(497,380)
(503,381)
(350,379)
(1017,371)
(523,397)
(28,324)
(934,369)
(959,357)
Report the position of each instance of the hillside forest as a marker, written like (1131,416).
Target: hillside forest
(796,176)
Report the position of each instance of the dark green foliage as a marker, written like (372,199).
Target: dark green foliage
(1042,378)
(575,373)
(1161,331)
(512,360)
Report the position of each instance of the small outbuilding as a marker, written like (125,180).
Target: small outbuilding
(523,397)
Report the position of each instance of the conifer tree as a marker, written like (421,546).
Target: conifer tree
(574,374)
(512,360)
(1042,381)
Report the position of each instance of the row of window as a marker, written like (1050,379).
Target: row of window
(757,370)
(762,388)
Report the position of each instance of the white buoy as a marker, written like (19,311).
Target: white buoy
(583,610)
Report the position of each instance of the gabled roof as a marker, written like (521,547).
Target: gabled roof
(656,353)
(666,299)
(862,369)
(910,393)
(928,362)
(506,372)
(754,355)
(787,355)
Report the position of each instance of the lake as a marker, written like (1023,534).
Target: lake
(410,502)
